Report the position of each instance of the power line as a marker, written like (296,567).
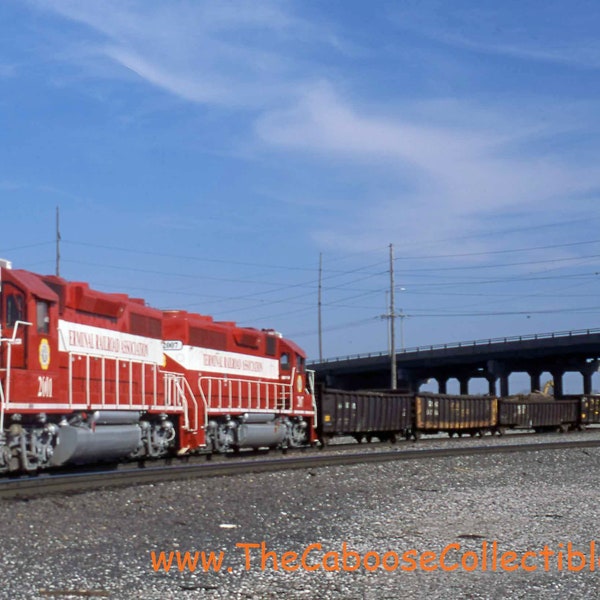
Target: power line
(527,277)
(501,232)
(287,267)
(7,251)
(494,252)
(338,327)
(498,266)
(585,309)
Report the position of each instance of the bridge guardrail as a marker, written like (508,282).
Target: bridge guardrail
(484,342)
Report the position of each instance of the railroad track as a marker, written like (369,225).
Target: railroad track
(61,483)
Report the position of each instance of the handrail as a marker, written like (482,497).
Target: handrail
(451,345)
(184,385)
(180,383)
(5,399)
(236,393)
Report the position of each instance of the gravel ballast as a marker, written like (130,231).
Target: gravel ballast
(100,545)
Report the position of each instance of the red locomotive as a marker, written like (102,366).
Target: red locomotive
(88,376)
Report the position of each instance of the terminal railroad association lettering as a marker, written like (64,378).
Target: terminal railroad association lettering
(231,362)
(107,343)
(97,341)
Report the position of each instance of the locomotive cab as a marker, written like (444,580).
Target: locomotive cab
(292,364)
(28,317)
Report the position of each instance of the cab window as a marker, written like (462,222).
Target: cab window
(15,309)
(284,361)
(42,317)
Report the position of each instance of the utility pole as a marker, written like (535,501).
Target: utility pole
(393,375)
(57,242)
(402,317)
(320,289)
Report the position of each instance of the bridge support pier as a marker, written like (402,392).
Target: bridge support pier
(442,385)
(587,382)
(587,372)
(498,370)
(557,377)
(536,380)
(463,383)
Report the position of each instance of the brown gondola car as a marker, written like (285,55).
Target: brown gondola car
(538,412)
(470,415)
(589,408)
(364,415)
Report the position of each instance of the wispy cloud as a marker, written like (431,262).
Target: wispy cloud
(451,177)
(233,54)
(582,54)
(446,164)
(518,30)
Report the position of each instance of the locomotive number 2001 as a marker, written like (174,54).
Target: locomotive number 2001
(44,386)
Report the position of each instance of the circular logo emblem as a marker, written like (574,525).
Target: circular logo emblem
(44,354)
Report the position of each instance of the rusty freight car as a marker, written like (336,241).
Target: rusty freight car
(363,415)
(589,410)
(455,415)
(538,412)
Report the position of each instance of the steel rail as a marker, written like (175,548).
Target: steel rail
(46,484)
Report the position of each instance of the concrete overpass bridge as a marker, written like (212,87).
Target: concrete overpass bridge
(492,359)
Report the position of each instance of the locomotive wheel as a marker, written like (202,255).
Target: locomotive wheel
(298,436)
(223,439)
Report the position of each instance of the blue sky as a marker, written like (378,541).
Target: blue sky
(203,155)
